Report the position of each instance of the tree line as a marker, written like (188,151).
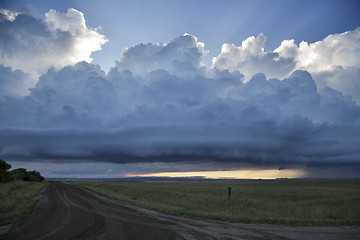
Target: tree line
(18,174)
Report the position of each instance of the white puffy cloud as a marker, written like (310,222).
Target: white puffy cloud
(86,40)
(334,61)
(250,58)
(34,45)
(182,55)
(336,50)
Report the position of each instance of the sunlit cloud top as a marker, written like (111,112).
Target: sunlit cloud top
(35,45)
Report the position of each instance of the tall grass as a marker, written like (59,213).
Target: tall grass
(290,202)
(16,198)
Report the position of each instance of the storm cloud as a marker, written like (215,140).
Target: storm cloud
(333,61)
(34,45)
(160,103)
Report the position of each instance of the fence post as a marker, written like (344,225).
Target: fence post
(229,193)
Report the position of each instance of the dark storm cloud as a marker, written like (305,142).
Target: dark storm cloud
(294,141)
(121,118)
(161,104)
(265,122)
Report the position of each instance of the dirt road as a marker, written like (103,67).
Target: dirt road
(70,212)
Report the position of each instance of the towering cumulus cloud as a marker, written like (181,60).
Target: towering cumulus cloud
(34,45)
(160,105)
(250,58)
(333,62)
(181,55)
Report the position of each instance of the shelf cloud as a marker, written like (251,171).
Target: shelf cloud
(296,105)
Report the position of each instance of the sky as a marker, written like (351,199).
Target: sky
(244,89)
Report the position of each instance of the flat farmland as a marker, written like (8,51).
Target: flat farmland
(288,202)
(66,211)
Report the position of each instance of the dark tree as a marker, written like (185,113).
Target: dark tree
(35,176)
(21,174)
(30,176)
(18,174)
(5,176)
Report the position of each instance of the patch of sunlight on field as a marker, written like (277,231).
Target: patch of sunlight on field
(239,174)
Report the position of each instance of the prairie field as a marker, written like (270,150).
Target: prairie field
(16,198)
(319,202)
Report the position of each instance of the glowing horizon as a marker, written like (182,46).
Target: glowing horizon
(237,174)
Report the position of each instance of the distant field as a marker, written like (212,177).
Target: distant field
(16,198)
(290,202)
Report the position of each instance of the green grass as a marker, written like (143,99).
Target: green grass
(16,198)
(290,202)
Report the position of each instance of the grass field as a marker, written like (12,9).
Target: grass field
(16,198)
(289,202)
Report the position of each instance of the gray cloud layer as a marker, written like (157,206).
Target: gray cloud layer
(161,104)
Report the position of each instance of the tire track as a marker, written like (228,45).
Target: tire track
(66,212)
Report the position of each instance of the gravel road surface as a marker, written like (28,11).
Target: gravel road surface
(70,212)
